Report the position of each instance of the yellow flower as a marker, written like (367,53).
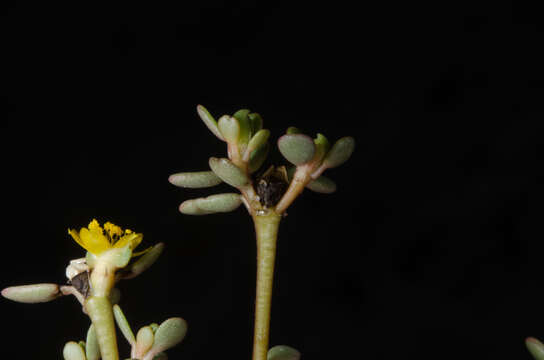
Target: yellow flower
(97,240)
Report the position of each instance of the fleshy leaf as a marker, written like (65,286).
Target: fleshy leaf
(195,180)
(229,128)
(169,334)
(34,293)
(322,185)
(73,351)
(209,121)
(245,126)
(283,352)
(256,122)
(322,147)
(257,157)
(144,340)
(297,148)
(535,347)
(292,130)
(258,140)
(145,261)
(340,152)
(122,322)
(228,172)
(92,349)
(211,204)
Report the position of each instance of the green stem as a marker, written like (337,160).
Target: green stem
(100,311)
(266,227)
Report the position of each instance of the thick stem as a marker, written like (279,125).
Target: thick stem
(266,227)
(300,180)
(100,311)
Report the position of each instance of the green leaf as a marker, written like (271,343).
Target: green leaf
(35,293)
(144,340)
(195,180)
(122,322)
(256,122)
(92,349)
(145,261)
(169,334)
(209,121)
(257,141)
(283,352)
(340,152)
(245,126)
(322,185)
(211,204)
(298,149)
(535,347)
(73,351)
(229,128)
(322,147)
(293,130)
(154,327)
(228,172)
(257,158)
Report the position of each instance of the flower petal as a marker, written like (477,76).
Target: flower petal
(75,236)
(93,241)
(132,239)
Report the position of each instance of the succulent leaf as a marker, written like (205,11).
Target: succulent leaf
(258,140)
(340,152)
(145,261)
(298,149)
(195,180)
(322,147)
(257,158)
(210,122)
(34,293)
(144,340)
(256,122)
(293,130)
(73,351)
(535,347)
(228,172)
(283,352)
(322,185)
(169,334)
(211,204)
(122,322)
(229,128)
(245,126)
(92,349)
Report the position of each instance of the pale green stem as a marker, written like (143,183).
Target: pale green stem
(100,311)
(266,227)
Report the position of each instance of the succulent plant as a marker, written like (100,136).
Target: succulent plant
(266,196)
(92,281)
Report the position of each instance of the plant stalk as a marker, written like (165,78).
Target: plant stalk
(100,311)
(266,228)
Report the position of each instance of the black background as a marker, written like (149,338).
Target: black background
(431,247)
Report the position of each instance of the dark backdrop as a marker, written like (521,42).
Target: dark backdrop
(431,247)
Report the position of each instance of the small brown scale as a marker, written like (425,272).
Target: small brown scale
(271,185)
